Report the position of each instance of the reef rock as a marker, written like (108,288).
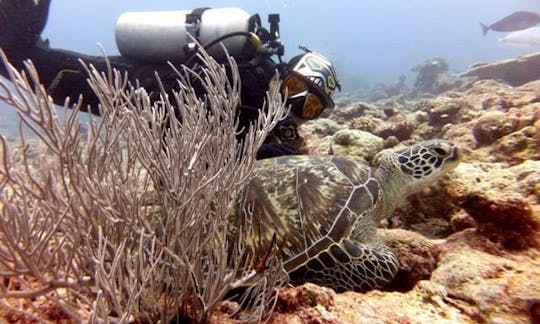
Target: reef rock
(424,304)
(398,126)
(443,110)
(500,121)
(345,114)
(488,288)
(497,186)
(358,143)
(515,72)
(493,125)
(317,134)
(468,285)
(321,127)
(518,146)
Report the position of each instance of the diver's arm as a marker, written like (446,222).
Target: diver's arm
(22,22)
(63,75)
(21,25)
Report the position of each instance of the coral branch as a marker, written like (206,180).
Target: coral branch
(132,220)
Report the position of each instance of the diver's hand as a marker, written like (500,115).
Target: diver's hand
(271,150)
(22,22)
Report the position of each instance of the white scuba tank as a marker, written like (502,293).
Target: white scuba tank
(159,36)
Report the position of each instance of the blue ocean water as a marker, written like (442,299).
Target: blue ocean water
(369,41)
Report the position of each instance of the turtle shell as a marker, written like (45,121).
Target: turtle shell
(306,203)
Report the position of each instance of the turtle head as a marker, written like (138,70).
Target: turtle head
(415,167)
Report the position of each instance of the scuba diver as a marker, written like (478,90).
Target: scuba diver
(147,41)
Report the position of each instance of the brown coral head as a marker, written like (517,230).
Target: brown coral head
(508,221)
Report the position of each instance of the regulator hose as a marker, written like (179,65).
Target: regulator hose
(255,40)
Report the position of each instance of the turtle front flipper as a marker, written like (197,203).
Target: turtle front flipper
(349,265)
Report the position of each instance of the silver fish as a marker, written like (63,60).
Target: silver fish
(519,20)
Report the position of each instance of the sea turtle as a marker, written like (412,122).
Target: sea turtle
(323,211)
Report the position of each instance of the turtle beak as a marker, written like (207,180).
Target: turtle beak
(457,153)
(453,158)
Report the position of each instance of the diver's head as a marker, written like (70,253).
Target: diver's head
(309,85)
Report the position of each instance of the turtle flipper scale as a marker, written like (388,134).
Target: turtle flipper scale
(350,265)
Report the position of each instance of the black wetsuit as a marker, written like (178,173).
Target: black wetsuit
(21,25)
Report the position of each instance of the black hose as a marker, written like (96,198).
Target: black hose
(215,41)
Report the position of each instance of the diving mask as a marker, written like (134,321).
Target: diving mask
(305,99)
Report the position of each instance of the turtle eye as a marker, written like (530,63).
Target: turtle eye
(440,151)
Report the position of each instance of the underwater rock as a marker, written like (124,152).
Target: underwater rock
(358,143)
(488,111)
(397,125)
(317,134)
(493,95)
(433,78)
(466,285)
(461,221)
(366,124)
(506,221)
(397,90)
(434,117)
(520,181)
(442,110)
(307,295)
(462,134)
(390,142)
(503,201)
(416,258)
(419,116)
(518,146)
(447,82)
(345,115)
(427,73)
(424,304)
(321,127)
(515,71)
(493,125)
(489,288)
(378,94)
(318,146)
(390,111)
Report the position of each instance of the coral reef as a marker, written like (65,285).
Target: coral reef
(428,72)
(469,246)
(358,143)
(515,72)
(398,126)
(432,78)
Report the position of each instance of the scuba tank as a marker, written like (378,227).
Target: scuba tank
(159,36)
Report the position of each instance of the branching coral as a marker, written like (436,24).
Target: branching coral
(130,223)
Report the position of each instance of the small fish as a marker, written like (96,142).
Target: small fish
(529,36)
(519,20)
